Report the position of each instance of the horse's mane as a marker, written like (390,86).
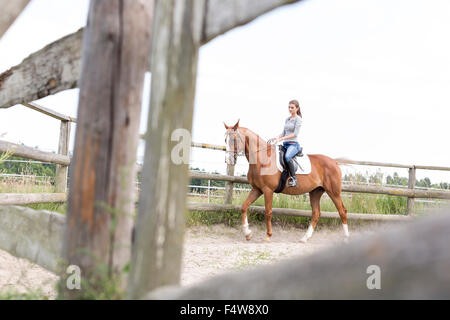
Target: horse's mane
(252,132)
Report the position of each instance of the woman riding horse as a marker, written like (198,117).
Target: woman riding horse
(264,176)
(290,138)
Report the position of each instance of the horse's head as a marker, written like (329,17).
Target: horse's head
(234,142)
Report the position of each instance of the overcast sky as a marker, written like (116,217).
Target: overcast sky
(372,78)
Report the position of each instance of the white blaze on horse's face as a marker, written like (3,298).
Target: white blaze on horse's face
(234,146)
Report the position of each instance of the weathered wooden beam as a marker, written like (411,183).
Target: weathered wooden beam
(340,161)
(30,198)
(373,163)
(36,78)
(412,193)
(224,15)
(10,10)
(33,154)
(116,47)
(296,212)
(49,112)
(158,247)
(208,146)
(433,168)
(391,165)
(411,262)
(32,234)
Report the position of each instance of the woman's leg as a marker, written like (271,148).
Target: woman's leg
(291,151)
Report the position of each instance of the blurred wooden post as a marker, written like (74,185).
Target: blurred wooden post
(411,184)
(229,185)
(63,148)
(160,224)
(116,48)
(10,10)
(209,193)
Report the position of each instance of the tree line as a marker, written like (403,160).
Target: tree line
(395,179)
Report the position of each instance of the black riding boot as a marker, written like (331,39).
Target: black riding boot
(292,182)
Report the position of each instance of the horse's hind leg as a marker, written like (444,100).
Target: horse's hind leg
(314,198)
(252,196)
(337,200)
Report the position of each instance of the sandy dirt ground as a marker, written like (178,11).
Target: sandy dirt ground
(21,276)
(208,251)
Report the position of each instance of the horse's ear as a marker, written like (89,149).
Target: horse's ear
(236,125)
(226,127)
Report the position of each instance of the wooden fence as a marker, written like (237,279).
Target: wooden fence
(62,160)
(108,59)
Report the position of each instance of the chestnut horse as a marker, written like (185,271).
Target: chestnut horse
(264,178)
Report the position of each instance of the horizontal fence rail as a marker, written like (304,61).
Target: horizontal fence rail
(295,212)
(49,112)
(410,191)
(33,154)
(346,188)
(31,198)
(4,148)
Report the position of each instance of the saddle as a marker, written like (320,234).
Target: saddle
(282,151)
(285,173)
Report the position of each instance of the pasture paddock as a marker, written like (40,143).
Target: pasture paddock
(113,52)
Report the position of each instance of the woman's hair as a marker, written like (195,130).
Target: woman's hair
(295,103)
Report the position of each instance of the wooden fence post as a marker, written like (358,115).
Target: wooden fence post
(158,246)
(229,185)
(63,148)
(116,47)
(209,191)
(411,184)
(10,11)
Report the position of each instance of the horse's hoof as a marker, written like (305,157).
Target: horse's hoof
(249,236)
(304,240)
(267,239)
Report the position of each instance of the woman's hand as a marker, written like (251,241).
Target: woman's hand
(273,141)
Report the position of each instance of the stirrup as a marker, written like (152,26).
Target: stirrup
(292,182)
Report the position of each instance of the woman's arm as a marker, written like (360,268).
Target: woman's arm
(292,135)
(298,123)
(286,137)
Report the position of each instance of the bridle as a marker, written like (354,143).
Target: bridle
(240,152)
(235,152)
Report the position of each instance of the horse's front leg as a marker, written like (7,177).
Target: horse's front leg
(268,198)
(252,196)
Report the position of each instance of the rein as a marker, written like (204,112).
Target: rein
(241,152)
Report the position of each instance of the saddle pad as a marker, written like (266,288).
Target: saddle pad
(303,164)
